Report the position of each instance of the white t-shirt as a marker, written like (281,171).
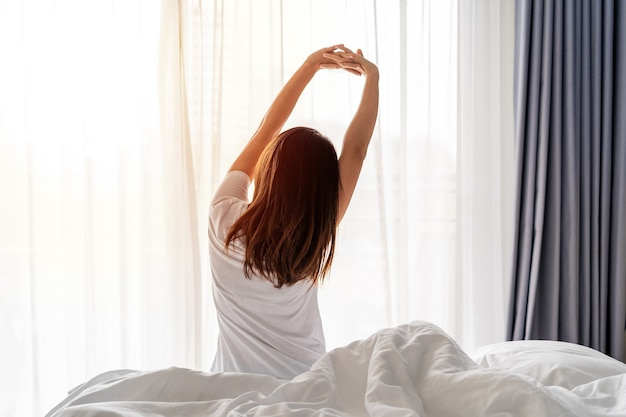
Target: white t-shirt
(263,329)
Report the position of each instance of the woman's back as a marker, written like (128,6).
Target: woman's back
(263,329)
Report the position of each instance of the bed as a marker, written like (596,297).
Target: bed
(410,370)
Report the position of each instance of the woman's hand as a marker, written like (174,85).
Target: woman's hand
(317,59)
(342,57)
(332,58)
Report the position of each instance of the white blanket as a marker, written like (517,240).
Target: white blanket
(410,370)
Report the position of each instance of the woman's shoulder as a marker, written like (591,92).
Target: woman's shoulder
(229,202)
(235,185)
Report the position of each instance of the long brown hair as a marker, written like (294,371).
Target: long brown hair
(289,228)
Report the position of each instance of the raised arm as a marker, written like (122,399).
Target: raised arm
(281,108)
(359,133)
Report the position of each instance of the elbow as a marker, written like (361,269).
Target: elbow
(356,153)
(361,153)
(359,150)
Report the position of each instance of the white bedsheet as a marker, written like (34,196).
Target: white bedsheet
(410,370)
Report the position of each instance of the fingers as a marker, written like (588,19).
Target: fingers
(334,56)
(337,58)
(353,68)
(341,57)
(355,71)
(344,48)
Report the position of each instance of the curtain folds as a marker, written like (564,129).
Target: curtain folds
(484,177)
(119,118)
(179,186)
(569,276)
(99,244)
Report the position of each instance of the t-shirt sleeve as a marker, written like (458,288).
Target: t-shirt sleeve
(234,186)
(229,201)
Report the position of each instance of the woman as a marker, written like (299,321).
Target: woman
(267,255)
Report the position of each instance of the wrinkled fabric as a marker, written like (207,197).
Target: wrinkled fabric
(409,370)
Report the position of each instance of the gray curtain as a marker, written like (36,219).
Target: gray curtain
(569,264)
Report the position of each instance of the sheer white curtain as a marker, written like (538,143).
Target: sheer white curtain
(485,169)
(99,250)
(119,118)
(426,234)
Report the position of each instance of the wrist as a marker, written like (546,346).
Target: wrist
(310,65)
(372,75)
